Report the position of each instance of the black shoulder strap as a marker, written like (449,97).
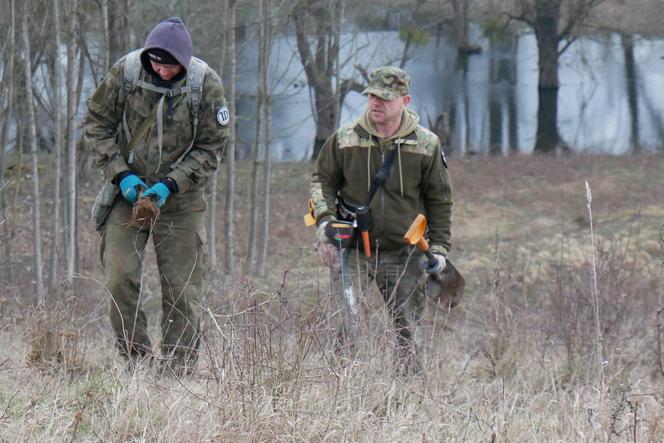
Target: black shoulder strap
(380,178)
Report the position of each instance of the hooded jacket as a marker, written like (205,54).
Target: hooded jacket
(172,36)
(418,181)
(104,120)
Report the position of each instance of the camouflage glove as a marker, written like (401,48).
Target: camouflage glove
(435,269)
(328,252)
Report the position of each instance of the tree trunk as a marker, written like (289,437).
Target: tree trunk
(547,18)
(9,88)
(71,146)
(319,62)
(104,6)
(258,146)
(547,138)
(20,148)
(230,148)
(326,119)
(118,24)
(266,35)
(495,123)
(256,157)
(495,99)
(32,134)
(211,221)
(631,78)
(261,266)
(338,24)
(513,128)
(460,8)
(462,104)
(213,184)
(57,113)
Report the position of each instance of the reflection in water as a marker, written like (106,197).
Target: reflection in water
(609,98)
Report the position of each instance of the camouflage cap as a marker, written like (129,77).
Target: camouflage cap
(388,83)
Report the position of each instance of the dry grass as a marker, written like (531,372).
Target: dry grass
(516,361)
(144,213)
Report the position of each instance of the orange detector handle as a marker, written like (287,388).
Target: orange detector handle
(365,243)
(415,236)
(363,224)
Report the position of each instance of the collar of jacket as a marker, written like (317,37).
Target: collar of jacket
(406,135)
(366,136)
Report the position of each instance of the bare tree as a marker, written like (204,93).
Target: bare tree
(214,179)
(266,116)
(8,88)
(631,78)
(118,26)
(319,55)
(460,21)
(72,101)
(57,114)
(32,139)
(554,21)
(259,142)
(502,81)
(230,147)
(254,197)
(105,18)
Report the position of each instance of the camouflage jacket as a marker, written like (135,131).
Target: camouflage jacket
(103,134)
(418,182)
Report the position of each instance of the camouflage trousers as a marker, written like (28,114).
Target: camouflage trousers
(180,244)
(396,273)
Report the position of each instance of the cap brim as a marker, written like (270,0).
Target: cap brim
(144,53)
(383,93)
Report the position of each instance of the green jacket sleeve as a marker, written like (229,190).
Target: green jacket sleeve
(327,179)
(437,192)
(211,138)
(102,120)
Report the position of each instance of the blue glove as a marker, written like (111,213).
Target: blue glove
(130,185)
(160,191)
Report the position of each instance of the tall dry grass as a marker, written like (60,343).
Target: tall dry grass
(516,361)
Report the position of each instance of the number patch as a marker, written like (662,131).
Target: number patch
(223,116)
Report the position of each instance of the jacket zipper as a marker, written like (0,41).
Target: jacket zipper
(382,195)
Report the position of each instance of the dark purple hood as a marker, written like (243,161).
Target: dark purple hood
(170,35)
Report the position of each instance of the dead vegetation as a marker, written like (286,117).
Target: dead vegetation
(144,213)
(516,361)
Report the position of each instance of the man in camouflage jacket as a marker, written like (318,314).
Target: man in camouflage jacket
(418,183)
(169,162)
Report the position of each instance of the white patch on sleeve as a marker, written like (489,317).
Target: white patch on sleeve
(223,116)
(442,156)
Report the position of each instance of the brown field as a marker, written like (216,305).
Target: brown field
(517,361)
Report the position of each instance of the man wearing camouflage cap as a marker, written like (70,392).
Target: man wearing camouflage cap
(158,125)
(417,182)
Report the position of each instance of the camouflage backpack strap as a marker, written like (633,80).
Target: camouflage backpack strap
(132,72)
(195,78)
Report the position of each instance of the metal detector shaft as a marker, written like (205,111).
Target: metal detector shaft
(349,294)
(341,233)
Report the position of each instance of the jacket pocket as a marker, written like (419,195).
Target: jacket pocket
(103,204)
